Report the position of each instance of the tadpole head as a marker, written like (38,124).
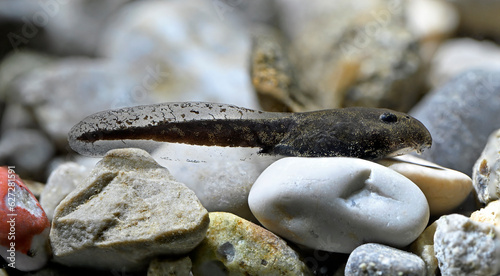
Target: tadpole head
(404,133)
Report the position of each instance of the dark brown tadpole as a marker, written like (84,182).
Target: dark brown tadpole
(368,133)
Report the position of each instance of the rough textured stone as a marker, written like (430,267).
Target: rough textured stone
(444,189)
(272,74)
(489,214)
(192,60)
(376,259)
(62,181)
(220,177)
(127,211)
(336,204)
(350,53)
(423,247)
(486,171)
(460,116)
(170,267)
(235,246)
(466,247)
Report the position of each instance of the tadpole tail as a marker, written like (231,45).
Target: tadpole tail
(194,123)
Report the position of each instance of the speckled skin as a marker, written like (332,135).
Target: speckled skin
(368,133)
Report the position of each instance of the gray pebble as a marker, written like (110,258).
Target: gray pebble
(460,116)
(465,247)
(377,259)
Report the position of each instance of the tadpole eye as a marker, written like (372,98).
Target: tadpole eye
(388,117)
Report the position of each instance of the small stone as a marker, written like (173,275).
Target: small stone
(170,267)
(458,55)
(423,247)
(466,247)
(486,171)
(62,181)
(336,204)
(460,116)
(27,149)
(126,212)
(444,189)
(489,214)
(178,58)
(353,54)
(377,259)
(221,177)
(24,230)
(235,246)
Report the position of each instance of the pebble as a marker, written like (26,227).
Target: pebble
(235,246)
(126,212)
(24,230)
(486,171)
(466,247)
(221,177)
(62,181)
(460,116)
(353,54)
(489,214)
(27,149)
(170,267)
(96,85)
(336,204)
(181,59)
(423,247)
(444,189)
(377,259)
(458,55)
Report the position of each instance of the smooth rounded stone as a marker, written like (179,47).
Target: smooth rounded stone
(423,247)
(126,212)
(444,189)
(170,267)
(24,231)
(27,149)
(458,55)
(221,177)
(489,214)
(235,246)
(62,181)
(377,259)
(486,171)
(179,58)
(353,54)
(466,247)
(460,116)
(96,85)
(336,204)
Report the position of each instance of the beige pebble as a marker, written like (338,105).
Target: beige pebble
(445,189)
(489,214)
(423,246)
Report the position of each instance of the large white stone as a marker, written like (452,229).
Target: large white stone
(336,204)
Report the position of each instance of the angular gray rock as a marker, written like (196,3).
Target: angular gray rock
(376,259)
(465,247)
(128,211)
(460,116)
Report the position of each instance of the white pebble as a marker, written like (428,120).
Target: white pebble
(337,204)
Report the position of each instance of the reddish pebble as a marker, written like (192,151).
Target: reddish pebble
(24,227)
